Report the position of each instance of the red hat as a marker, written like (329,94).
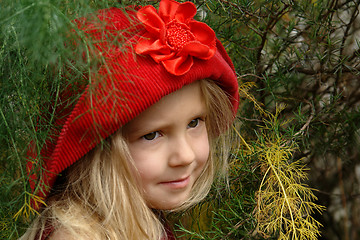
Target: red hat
(172,50)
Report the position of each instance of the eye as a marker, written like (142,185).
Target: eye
(151,136)
(194,123)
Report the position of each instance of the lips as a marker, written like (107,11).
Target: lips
(177,184)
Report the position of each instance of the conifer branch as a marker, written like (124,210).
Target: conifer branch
(285,204)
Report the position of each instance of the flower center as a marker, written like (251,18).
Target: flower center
(178,35)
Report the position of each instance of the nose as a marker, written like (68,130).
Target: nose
(182,151)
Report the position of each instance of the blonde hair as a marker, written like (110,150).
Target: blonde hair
(100,198)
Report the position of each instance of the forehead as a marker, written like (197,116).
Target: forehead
(187,102)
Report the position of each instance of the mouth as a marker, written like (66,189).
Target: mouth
(177,184)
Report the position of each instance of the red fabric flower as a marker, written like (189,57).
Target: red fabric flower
(173,37)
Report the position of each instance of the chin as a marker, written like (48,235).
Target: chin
(167,205)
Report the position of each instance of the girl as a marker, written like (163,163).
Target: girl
(141,138)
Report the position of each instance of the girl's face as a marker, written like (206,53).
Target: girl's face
(169,145)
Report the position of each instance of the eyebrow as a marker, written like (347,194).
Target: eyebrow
(155,125)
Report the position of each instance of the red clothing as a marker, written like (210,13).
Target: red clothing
(169,233)
(49,229)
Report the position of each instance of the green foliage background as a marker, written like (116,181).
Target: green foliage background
(298,56)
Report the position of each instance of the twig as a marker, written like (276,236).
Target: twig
(252,75)
(235,228)
(270,25)
(306,125)
(240,8)
(250,120)
(354,15)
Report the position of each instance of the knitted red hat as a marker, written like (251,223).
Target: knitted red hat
(172,50)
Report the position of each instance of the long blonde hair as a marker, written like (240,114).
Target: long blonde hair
(99,198)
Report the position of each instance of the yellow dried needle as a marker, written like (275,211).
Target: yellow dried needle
(285,204)
(27,209)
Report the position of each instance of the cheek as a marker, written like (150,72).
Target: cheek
(147,163)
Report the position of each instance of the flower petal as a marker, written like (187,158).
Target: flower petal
(158,57)
(167,10)
(185,12)
(179,65)
(149,16)
(148,45)
(202,32)
(198,50)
